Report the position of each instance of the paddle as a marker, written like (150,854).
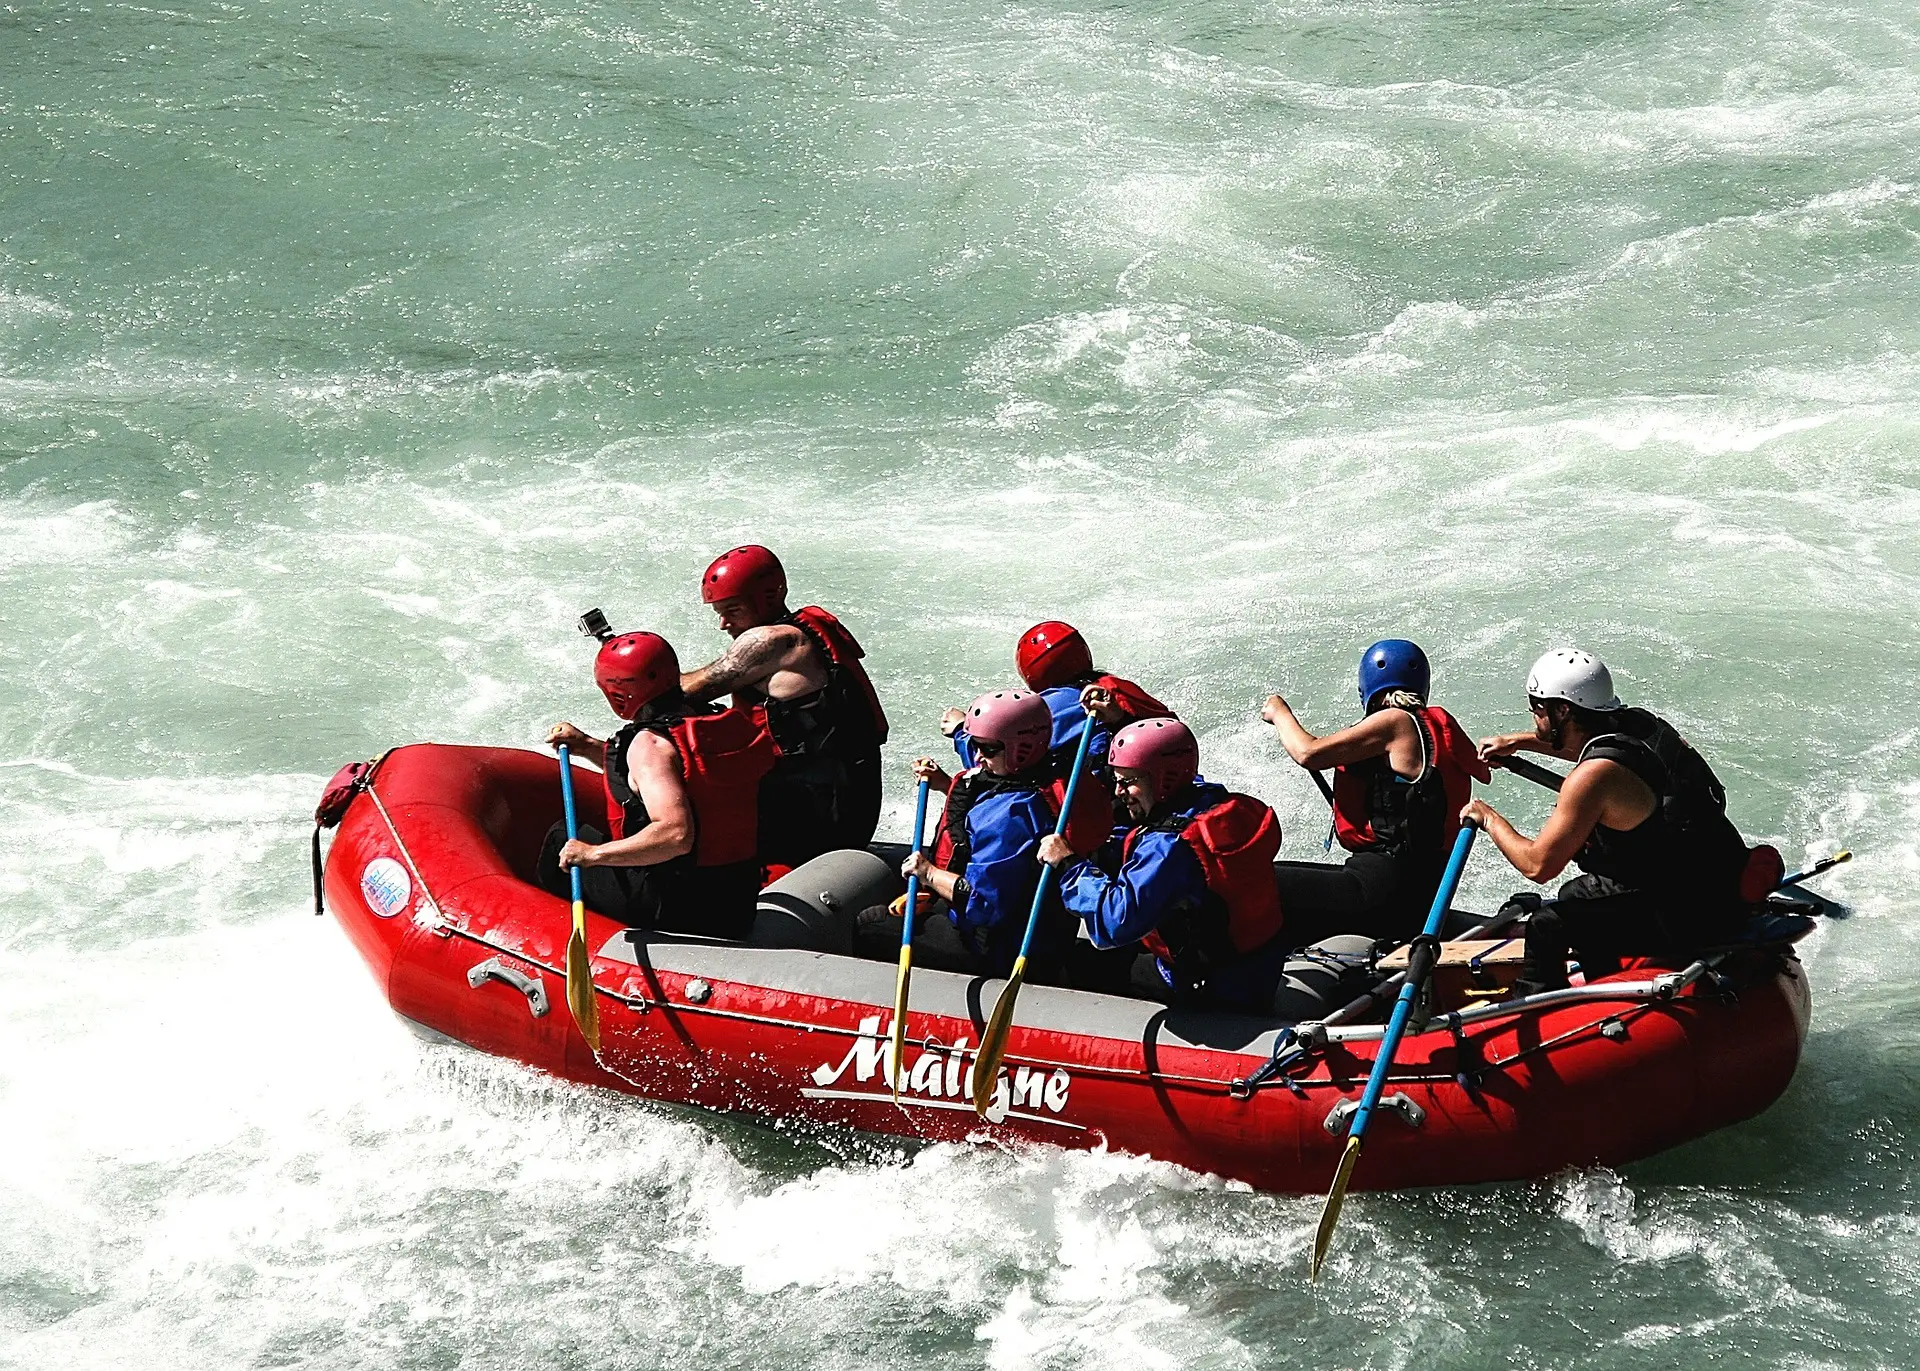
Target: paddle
(1326,844)
(1530,771)
(1824,864)
(899,1040)
(993,1042)
(1419,967)
(580,999)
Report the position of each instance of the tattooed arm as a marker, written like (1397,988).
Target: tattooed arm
(754,657)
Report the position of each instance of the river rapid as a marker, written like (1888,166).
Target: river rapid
(349,351)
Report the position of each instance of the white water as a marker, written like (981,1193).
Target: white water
(346,356)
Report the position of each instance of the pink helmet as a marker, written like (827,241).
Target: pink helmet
(1017,720)
(1165,749)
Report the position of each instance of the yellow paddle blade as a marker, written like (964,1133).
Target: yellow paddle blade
(580,998)
(993,1042)
(897,1046)
(1330,1215)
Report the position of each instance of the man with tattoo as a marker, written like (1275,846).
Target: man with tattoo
(800,671)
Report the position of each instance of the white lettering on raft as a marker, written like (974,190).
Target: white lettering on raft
(940,1078)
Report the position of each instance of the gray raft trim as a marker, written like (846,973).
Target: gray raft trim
(1043,1008)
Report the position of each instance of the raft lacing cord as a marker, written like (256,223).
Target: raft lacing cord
(641,1004)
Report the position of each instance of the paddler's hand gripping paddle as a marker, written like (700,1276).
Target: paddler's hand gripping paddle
(1419,968)
(898,1043)
(993,1042)
(580,999)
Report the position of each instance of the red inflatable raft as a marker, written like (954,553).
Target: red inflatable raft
(430,876)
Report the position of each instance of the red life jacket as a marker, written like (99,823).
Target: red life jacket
(1236,842)
(852,706)
(1088,827)
(1130,699)
(1375,810)
(723,757)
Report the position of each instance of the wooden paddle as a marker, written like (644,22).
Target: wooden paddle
(1420,967)
(898,1042)
(580,999)
(993,1042)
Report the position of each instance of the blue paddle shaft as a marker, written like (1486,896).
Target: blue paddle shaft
(913,881)
(1403,1006)
(1059,830)
(573,822)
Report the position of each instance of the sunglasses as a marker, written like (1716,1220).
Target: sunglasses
(983,748)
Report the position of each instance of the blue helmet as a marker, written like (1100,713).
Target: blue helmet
(1393,664)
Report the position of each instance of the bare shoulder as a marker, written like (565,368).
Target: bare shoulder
(771,641)
(648,743)
(1383,727)
(653,754)
(1601,782)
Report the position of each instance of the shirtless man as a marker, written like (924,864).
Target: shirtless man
(800,671)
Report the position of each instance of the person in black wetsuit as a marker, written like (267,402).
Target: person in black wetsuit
(1641,812)
(800,670)
(1400,777)
(682,781)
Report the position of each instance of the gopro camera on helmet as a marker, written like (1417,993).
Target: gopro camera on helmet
(594,624)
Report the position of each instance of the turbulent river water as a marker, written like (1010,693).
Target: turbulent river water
(349,351)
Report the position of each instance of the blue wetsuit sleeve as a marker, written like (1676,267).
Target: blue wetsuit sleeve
(1160,873)
(963,749)
(1004,866)
(1068,719)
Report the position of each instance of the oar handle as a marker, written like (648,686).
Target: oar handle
(573,818)
(1326,790)
(1531,771)
(1044,884)
(1824,864)
(1410,988)
(913,881)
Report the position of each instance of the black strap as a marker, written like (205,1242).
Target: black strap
(319,899)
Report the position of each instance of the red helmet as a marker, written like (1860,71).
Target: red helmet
(1016,719)
(1165,749)
(1052,654)
(635,669)
(749,573)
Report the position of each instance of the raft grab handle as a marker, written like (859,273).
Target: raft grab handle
(497,969)
(1399,1102)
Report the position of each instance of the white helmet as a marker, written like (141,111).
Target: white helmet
(1579,677)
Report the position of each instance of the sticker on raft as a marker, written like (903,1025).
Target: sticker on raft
(942,1078)
(385,886)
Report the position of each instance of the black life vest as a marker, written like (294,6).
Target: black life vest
(1687,845)
(1375,809)
(841,719)
(723,753)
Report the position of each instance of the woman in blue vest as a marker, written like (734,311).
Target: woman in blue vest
(981,874)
